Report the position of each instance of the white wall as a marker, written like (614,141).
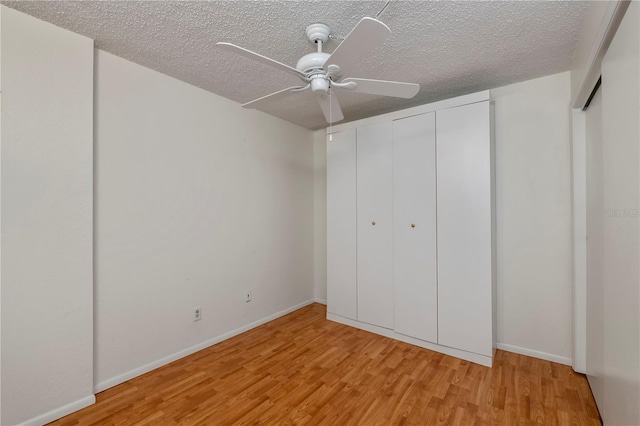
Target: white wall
(46,216)
(320,214)
(197,200)
(534,228)
(533,212)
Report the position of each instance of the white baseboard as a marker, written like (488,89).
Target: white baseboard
(109,383)
(534,354)
(321,301)
(61,412)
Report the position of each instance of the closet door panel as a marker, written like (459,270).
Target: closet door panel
(464,228)
(375,225)
(414,234)
(341,224)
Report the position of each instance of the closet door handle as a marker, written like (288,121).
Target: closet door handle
(413,225)
(373,222)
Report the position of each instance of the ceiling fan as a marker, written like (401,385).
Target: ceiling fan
(322,72)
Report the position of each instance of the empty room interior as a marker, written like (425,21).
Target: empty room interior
(330,213)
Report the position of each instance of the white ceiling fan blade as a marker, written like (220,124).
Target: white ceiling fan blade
(366,36)
(258,57)
(330,107)
(257,103)
(384,88)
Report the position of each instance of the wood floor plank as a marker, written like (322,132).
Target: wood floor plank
(301,369)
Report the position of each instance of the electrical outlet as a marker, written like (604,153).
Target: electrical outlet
(197,313)
(247,296)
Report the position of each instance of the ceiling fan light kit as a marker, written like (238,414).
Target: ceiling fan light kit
(322,72)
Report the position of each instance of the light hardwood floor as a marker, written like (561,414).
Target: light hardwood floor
(302,369)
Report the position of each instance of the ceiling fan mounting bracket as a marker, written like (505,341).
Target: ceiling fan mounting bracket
(318,32)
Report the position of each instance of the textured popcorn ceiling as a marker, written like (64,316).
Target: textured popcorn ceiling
(449,48)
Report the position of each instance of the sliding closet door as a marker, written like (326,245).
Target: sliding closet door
(621,224)
(595,250)
(414,233)
(375,225)
(464,228)
(341,224)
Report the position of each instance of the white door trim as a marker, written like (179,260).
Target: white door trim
(579,184)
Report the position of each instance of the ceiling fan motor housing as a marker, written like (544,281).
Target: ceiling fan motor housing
(312,61)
